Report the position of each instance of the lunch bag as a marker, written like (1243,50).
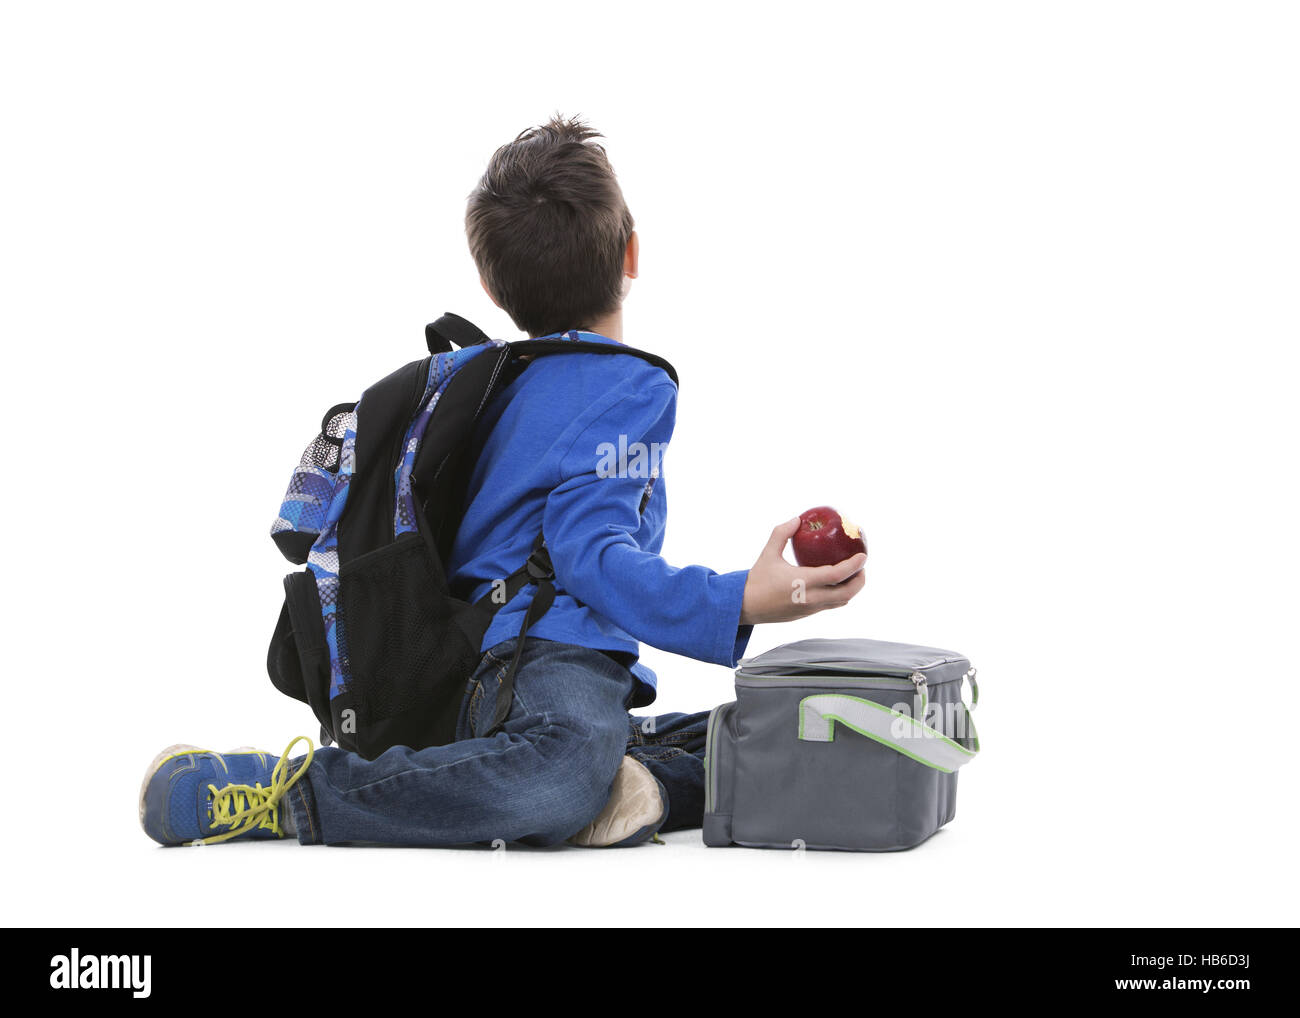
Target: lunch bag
(370,635)
(839,744)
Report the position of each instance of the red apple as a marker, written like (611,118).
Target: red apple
(825,537)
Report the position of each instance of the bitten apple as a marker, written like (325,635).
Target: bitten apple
(825,537)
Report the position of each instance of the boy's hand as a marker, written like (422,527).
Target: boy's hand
(777,591)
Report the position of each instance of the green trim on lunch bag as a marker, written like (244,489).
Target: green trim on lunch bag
(928,746)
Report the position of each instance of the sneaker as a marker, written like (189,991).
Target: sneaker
(637,808)
(193,795)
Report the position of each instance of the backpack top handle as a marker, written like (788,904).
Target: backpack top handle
(452,330)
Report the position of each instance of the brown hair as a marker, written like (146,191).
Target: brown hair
(548,228)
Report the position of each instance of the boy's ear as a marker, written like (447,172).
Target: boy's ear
(483,283)
(632,256)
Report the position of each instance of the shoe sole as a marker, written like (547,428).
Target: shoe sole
(170,753)
(636,804)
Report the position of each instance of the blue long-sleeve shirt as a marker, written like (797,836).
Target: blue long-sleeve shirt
(570,448)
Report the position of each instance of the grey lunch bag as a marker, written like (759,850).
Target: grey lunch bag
(839,744)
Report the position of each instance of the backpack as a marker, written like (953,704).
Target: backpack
(370,636)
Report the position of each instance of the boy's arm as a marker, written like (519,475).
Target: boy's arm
(589,521)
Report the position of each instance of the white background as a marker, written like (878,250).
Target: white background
(1012,283)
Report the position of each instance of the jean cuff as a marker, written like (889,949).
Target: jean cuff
(302,806)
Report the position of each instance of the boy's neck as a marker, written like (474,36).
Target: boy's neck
(610,326)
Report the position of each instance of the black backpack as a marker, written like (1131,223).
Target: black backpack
(370,636)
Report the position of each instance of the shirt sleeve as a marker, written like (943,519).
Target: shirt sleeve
(591,518)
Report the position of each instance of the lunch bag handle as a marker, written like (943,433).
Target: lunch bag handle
(900,732)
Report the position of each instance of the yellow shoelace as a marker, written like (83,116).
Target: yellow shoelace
(246,807)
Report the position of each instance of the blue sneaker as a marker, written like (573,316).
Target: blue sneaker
(193,795)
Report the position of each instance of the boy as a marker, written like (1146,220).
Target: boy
(555,248)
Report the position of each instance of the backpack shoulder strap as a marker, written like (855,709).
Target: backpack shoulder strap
(531,347)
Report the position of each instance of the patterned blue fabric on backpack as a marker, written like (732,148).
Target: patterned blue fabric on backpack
(441,370)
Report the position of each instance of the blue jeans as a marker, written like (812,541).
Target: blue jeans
(542,778)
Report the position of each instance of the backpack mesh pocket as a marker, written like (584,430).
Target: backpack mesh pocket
(408,658)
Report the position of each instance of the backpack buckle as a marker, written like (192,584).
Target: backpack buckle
(539,565)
